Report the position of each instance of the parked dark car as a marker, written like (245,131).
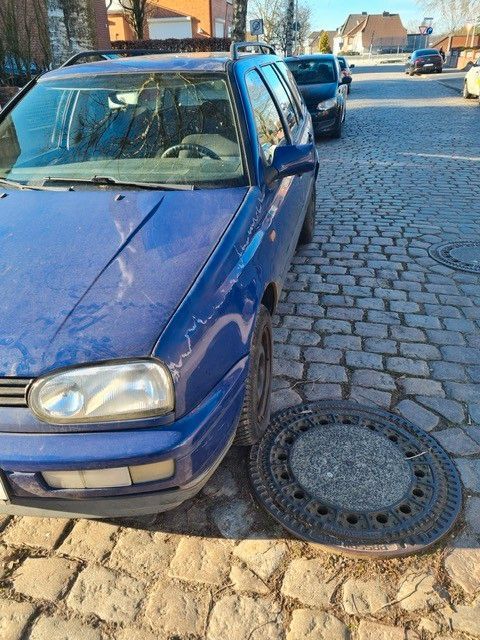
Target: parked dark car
(424,61)
(150,208)
(345,68)
(324,90)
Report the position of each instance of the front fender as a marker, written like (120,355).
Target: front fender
(211,329)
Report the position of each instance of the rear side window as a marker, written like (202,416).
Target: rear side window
(269,125)
(283,99)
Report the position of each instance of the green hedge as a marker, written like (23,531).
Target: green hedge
(174,45)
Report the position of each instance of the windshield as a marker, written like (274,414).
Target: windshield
(163,128)
(426,52)
(312,71)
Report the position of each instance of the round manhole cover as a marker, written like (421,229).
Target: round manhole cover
(355,479)
(463,255)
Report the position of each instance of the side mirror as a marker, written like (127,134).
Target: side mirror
(352,66)
(292,160)
(346,80)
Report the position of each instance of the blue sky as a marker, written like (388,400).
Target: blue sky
(330,14)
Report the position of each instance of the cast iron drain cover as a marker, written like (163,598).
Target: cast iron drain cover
(463,255)
(354,479)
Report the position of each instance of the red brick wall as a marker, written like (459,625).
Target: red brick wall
(101,24)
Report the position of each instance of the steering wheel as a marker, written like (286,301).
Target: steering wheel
(203,152)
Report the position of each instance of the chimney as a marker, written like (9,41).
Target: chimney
(364,13)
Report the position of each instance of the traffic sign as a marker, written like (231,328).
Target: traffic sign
(256,27)
(425,30)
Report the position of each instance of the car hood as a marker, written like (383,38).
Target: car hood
(315,93)
(93,275)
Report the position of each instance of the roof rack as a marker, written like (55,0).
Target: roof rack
(106,54)
(262,47)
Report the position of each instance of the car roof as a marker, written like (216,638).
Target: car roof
(186,62)
(312,56)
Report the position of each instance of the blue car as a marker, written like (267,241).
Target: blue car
(149,210)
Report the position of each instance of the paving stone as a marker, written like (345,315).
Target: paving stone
(463,355)
(372,397)
(343,313)
(463,392)
(199,560)
(417,414)
(244,580)
(308,624)
(363,359)
(320,372)
(368,630)
(263,557)
(233,519)
(89,540)
(112,597)
(326,325)
(288,368)
(343,342)
(474,412)
(240,617)
(14,617)
(462,563)
(364,597)
(455,441)
(419,591)
(310,310)
(44,578)
(297,322)
(34,532)
(474,373)
(58,629)
(371,303)
(284,398)
(470,472)
(449,409)
(177,612)
(419,350)
(410,334)
(319,391)
(423,322)
(375,379)
(153,552)
(416,386)
(375,345)
(460,324)
(448,371)
(438,336)
(221,485)
(315,354)
(466,619)
(287,352)
(383,317)
(408,365)
(472,513)
(402,306)
(306,581)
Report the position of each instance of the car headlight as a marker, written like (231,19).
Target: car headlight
(116,390)
(326,104)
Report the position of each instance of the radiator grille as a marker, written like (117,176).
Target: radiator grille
(13,392)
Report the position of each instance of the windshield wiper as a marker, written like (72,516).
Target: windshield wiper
(109,181)
(21,186)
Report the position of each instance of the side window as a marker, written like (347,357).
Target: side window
(297,106)
(267,118)
(288,75)
(282,97)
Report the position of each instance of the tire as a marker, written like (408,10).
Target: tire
(308,228)
(466,93)
(411,73)
(337,132)
(255,414)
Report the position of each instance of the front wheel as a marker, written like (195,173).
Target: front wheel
(255,414)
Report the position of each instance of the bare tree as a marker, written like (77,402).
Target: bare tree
(273,13)
(289,27)
(453,13)
(136,12)
(239,20)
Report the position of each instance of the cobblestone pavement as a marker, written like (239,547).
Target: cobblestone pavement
(366,314)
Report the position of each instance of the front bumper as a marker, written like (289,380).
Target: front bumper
(197,443)
(325,121)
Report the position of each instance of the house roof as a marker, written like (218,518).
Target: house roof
(157,11)
(380,27)
(352,21)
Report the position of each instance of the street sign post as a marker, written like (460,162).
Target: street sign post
(256,27)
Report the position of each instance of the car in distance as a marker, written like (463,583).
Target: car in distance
(149,209)
(324,90)
(424,61)
(471,84)
(346,70)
